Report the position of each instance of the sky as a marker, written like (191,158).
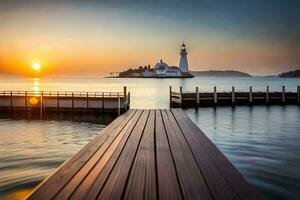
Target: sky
(97,37)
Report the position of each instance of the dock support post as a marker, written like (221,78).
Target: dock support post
(102,101)
(25,100)
(197,97)
(11,101)
(119,105)
(250,95)
(57,99)
(298,95)
(125,91)
(283,94)
(125,103)
(170,95)
(87,101)
(215,95)
(72,102)
(128,103)
(268,95)
(41,105)
(233,96)
(180,93)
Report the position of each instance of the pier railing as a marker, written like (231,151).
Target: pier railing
(65,101)
(197,98)
(61,93)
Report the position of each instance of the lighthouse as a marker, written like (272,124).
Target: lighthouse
(183,63)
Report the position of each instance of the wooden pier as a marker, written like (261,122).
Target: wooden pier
(49,101)
(197,98)
(147,154)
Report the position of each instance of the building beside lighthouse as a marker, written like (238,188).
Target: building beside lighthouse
(162,69)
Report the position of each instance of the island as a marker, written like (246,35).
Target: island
(161,69)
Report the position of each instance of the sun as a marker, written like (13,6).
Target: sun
(36,66)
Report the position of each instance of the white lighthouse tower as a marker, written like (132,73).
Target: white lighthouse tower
(183,63)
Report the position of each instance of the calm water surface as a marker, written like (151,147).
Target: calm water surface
(31,150)
(262,142)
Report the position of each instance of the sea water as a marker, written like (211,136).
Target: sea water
(262,142)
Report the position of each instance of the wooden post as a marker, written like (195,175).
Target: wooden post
(283,94)
(119,105)
(25,100)
(125,100)
(72,101)
(250,95)
(102,102)
(128,103)
(197,96)
(87,101)
(268,95)
(170,95)
(233,96)
(180,91)
(215,95)
(298,95)
(41,105)
(11,101)
(125,91)
(57,99)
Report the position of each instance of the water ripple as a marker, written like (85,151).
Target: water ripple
(31,150)
(261,142)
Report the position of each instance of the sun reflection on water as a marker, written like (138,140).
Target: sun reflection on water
(36,86)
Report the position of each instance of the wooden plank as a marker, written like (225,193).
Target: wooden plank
(142,180)
(116,182)
(113,140)
(213,177)
(233,177)
(168,185)
(191,181)
(50,186)
(148,155)
(92,184)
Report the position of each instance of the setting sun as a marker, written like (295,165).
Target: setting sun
(36,66)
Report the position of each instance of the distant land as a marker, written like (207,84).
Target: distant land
(133,73)
(290,74)
(221,73)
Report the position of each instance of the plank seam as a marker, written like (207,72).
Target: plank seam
(204,178)
(155,157)
(130,169)
(228,162)
(68,160)
(106,179)
(126,119)
(171,151)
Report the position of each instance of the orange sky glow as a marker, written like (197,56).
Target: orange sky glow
(76,40)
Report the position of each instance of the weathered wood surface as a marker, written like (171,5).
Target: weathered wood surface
(147,154)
